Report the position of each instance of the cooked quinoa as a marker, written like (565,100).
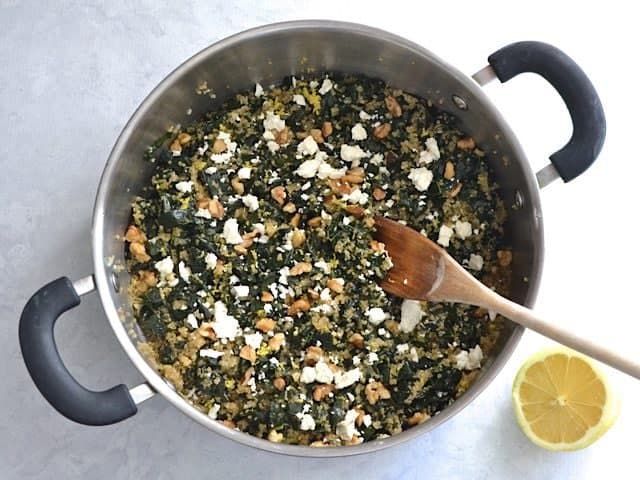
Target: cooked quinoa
(255,273)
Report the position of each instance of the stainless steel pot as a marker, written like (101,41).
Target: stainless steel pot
(267,54)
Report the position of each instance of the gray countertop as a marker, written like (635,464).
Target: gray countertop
(71,74)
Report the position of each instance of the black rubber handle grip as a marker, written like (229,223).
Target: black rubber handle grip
(48,372)
(575,88)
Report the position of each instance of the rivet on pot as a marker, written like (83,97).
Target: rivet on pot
(115,281)
(519,200)
(460,102)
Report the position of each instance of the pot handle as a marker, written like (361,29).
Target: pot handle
(46,368)
(578,93)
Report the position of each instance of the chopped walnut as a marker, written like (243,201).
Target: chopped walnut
(266,296)
(275,436)
(418,418)
(139,252)
(320,392)
(356,340)
(327,129)
(300,268)
(449,171)
(266,324)
(279,194)
(248,353)
(504,257)
(379,194)
(313,355)
(276,342)
(393,106)
(297,238)
(335,285)
(300,305)
(219,146)
(375,391)
(466,143)
(279,383)
(134,234)
(382,131)
(316,134)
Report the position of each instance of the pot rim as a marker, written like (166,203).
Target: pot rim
(162,386)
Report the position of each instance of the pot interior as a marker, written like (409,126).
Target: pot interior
(267,55)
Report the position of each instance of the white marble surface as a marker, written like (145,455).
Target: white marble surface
(71,73)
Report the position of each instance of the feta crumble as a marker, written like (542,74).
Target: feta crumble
(410,315)
(358,132)
(184,271)
(240,291)
(352,153)
(273,122)
(251,202)
(308,146)
(444,235)
(299,99)
(308,375)
(475,262)
(192,321)
(259,90)
(184,187)
(211,260)
(346,428)
(346,379)
(253,340)
(203,213)
(244,173)
(224,325)
(421,178)
(469,360)
(307,422)
(164,267)
(213,411)
(376,315)
(325,87)
(230,232)
(463,229)
(210,353)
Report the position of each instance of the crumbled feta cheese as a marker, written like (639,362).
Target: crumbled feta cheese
(164,267)
(259,90)
(240,291)
(469,360)
(313,83)
(192,321)
(463,229)
(402,348)
(410,315)
(284,274)
(366,420)
(346,220)
(325,87)
(253,340)
(308,146)
(273,146)
(376,315)
(307,422)
(211,260)
(357,196)
(323,373)
(413,355)
(444,235)
(308,375)
(377,159)
(309,168)
(184,187)
(346,379)
(356,360)
(346,428)
(322,265)
(184,271)
(372,357)
(230,232)
(327,171)
(203,213)
(358,132)
(213,411)
(210,353)
(431,153)
(244,173)
(364,115)
(475,262)
(421,178)
(268,135)
(273,122)
(224,325)
(251,202)
(352,153)
(299,99)
(325,295)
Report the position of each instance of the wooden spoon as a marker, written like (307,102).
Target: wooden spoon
(424,271)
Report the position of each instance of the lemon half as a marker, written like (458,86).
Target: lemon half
(562,400)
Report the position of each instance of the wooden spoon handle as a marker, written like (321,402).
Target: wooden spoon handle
(560,334)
